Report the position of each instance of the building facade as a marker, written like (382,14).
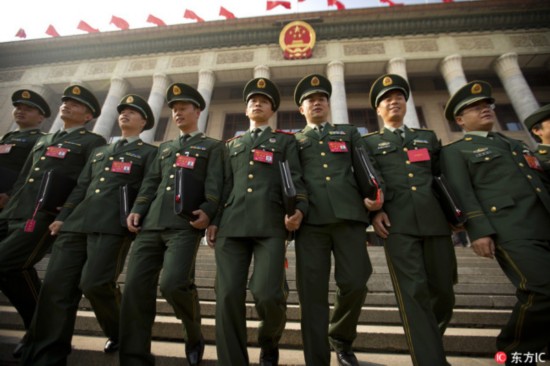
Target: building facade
(437,47)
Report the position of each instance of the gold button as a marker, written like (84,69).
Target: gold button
(538,190)
(328,179)
(97,191)
(411,175)
(383,153)
(320,142)
(250,176)
(173,165)
(529,176)
(323,154)
(493,209)
(107,169)
(36,169)
(514,153)
(413,188)
(197,155)
(43,158)
(102,179)
(325,166)
(407,162)
(168,188)
(521,165)
(249,190)
(487,158)
(31,180)
(251,162)
(111,158)
(178,154)
(171,176)
(405,149)
(252,150)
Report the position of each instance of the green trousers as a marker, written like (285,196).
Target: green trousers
(267,285)
(79,262)
(174,252)
(423,272)
(315,246)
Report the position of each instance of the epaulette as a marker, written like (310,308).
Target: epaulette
(233,138)
(420,129)
(203,136)
(82,132)
(285,132)
(370,134)
(454,142)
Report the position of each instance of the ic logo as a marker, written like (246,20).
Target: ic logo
(500,357)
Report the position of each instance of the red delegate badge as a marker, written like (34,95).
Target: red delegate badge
(417,155)
(263,156)
(337,146)
(121,167)
(57,152)
(187,162)
(533,162)
(5,148)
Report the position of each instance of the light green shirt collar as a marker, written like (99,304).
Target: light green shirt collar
(478,133)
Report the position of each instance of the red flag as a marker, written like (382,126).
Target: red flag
(226,13)
(21,33)
(51,31)
(189,14)
(301,1)
(338,4)
(86,27)
(391,3)
(274,4)
(119,23)
(153,19)
(448,1)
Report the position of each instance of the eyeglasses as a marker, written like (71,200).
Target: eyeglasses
(477,107)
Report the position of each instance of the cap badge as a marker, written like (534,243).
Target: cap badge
(76,90)
(25,94)
(176,90)
(130,99)
(315,81)
(261,84)
(476,88)
(387,81)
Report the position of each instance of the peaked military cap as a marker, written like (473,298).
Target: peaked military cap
(31,98)
(136,102)
(540,115)
(84,96)
(386,83)
(470,93)
(180,92)
(311,84)
(265,87)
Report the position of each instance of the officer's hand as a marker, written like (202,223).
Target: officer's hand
(211,234)
(293,222)
(376,204)
(133,222)
(380,223)
(484,247)
(4,198)
(55,227)
(202,222)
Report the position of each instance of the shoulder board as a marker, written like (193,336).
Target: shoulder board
(420,129)
(285,132)
(371,134)
(233,138)
(148,144)
(454,142)
(204,137)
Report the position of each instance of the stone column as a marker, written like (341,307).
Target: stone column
(58,122)
(453,73)
(398,66)
(109,113)
(156,101)
(516,87)
(205,87)
(338,103)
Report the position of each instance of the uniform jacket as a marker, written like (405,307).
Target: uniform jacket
(22,143)
(543,154)
(409,199)
(93,206)
(156,196)
(79,143)
(501,194)
(333,192)
(253,193)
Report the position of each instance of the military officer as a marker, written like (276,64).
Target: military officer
(538,123)
(254,224)
(91,248)
(169,241)
(417,238)
(66,152)
(505,195)
(30,109)
(335,223)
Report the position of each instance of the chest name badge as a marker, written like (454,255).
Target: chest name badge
(124,167)
(263,156)
(337,146)
(5,148)
(533,162)
(57,152)
(417,155)
(187,162)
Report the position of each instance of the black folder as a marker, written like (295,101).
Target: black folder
(128,196)
(189,193)
(289,191)
(7,179)
(365,174)
(449,202)
(54,189)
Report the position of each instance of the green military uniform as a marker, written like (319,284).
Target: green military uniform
(252,224)
(542,152)
(21,249)
(506,197)
(419,249)
(90,252)
(543,155)
(336,223)
(167,241)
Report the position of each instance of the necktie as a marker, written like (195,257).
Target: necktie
(60,134)
(319,130)
(120,143)
(399,135)
(185,137)
(256,132)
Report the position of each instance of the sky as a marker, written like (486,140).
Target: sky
(35,16)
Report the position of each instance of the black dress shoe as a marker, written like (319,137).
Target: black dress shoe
(194,354)
(269,357)
(346,358)
(111,345)
(18,350)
